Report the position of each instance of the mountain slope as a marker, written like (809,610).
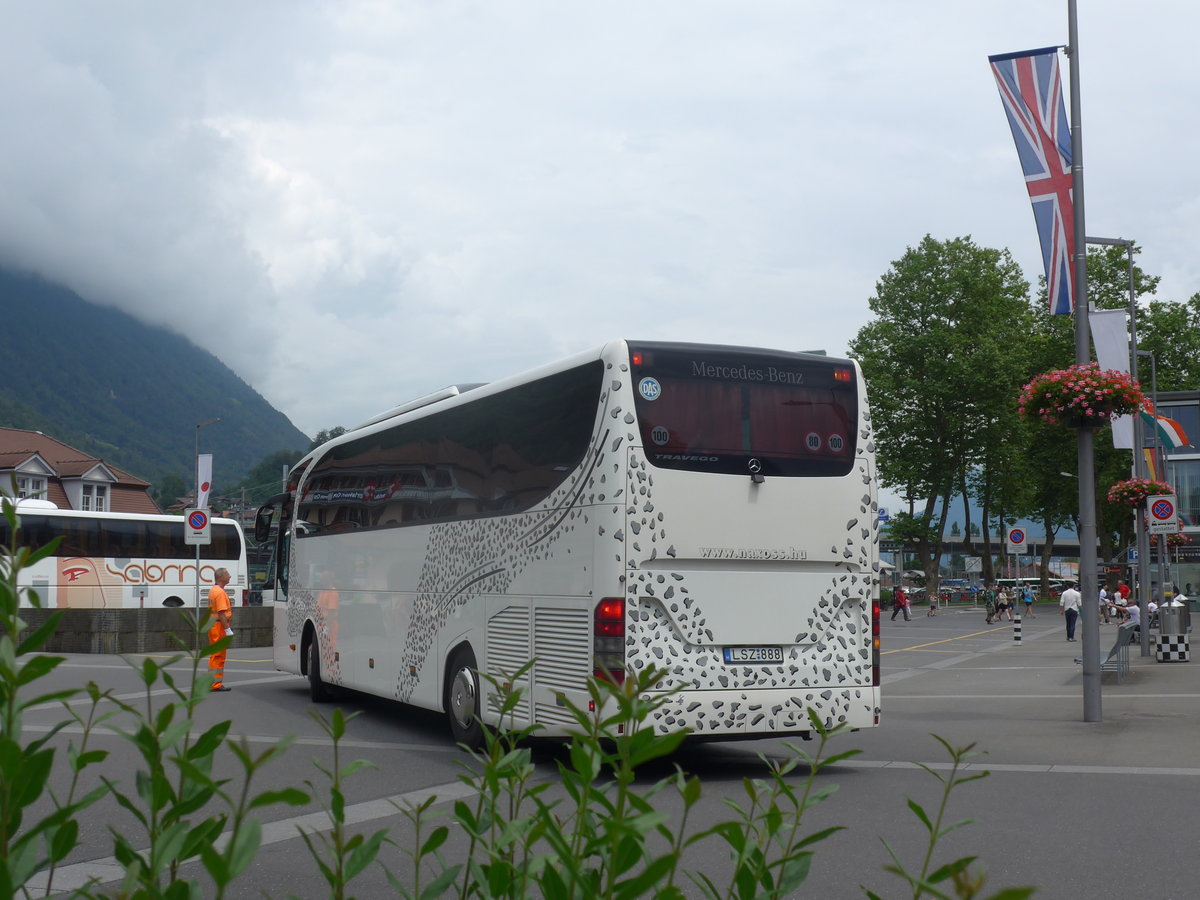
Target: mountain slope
(104,382)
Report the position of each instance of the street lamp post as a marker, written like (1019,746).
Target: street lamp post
(196,501)
(1139,441)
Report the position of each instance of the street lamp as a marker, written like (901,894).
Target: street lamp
(196,501)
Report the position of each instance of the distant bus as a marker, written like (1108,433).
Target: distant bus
(706,510)
(123,560)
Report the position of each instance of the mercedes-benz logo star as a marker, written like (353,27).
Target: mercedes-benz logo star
(755,466)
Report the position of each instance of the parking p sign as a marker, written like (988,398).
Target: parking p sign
(1016,540)
(1163,517)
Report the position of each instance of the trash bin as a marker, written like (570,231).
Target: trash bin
(1171,619)
(1172,633)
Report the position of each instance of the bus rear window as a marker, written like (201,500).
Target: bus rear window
(717,409)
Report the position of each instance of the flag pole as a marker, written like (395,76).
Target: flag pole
(1092,711)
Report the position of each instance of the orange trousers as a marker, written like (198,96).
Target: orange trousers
(216,662)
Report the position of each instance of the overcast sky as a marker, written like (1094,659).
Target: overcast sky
(355,203)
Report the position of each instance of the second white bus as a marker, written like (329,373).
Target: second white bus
(124,560)
(706,510)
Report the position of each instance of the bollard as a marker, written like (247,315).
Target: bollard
(1017,628)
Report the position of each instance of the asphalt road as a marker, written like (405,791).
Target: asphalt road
(1093,810)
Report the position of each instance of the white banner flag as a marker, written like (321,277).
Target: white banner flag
(1110,334)
(203,479)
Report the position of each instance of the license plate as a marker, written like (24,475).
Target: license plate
(753,654)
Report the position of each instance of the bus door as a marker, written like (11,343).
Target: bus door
(275,586)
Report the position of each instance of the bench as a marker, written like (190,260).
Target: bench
(1118,657)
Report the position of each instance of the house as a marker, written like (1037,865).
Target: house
(48,469)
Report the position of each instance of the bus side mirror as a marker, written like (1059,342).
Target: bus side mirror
(262,524)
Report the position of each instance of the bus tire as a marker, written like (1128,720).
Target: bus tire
(462,698)
(318,690)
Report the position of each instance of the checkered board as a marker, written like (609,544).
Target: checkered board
(1172,648)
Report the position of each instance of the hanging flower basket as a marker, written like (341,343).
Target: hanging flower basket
(1084,396)
(1177,540)
(1134,491)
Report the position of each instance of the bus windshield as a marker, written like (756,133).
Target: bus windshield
(714,410)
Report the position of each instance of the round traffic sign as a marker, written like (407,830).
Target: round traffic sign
(198,519)
(1016,536)
(1163,509)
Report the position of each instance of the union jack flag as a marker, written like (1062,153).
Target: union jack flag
(1031,89)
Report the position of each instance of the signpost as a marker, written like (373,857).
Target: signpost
(1164,520)
(197,531)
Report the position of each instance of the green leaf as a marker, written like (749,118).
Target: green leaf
(436,838)
(245,844)
(443,882)
(64,840)
(919,812)
(37,638)
(290,796)
(208,742)
(644,881)
(365,854)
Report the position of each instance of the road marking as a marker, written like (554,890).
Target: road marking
(106,869)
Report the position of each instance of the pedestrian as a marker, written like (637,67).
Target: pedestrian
(900,604)
(1104,597)
(933,604)
(1068,607)
(1027,598)
(1003,605)
(1136,621)
(989,603)
(220,609)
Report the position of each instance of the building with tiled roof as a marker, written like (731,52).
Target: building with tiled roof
(48,469)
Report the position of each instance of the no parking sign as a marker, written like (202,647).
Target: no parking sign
(1016,540)
(1163,518)
(197,527)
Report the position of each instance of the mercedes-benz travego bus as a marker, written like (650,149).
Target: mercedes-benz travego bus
(706,510)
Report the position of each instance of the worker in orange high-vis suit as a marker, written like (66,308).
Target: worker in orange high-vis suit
(221,611)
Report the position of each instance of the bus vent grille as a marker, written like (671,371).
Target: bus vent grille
(508,641)
(552,714)
(563,648)
(518,715)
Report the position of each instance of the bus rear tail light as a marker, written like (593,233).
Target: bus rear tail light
(608,640)
(875,642)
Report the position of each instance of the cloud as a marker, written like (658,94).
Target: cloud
(354,203)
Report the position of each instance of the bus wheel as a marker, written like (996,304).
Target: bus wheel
(462,699)
(318,689)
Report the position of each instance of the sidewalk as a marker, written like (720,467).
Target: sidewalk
(1025,699)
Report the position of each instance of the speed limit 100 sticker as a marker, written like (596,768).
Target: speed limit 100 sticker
(660,435)
(837,443)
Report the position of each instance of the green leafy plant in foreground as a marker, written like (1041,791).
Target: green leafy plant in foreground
(932,880)
(32,846)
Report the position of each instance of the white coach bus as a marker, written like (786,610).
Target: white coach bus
(123,560)
(706,510)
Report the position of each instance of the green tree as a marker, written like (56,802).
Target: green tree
(1171,331)
(944,359)
(326,434)
(170,490)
